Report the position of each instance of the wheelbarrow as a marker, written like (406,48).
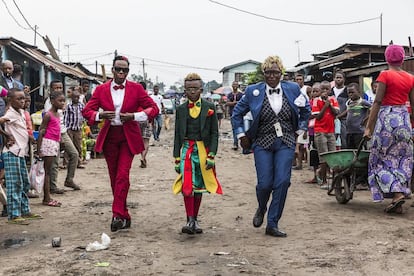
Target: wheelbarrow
(346,165)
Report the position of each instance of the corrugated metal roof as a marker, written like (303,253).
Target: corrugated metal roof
(39,56)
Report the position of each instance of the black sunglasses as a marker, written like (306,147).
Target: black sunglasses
(119,69)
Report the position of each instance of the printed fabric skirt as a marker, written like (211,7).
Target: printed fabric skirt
(49,147)
(391,159)
(194,177)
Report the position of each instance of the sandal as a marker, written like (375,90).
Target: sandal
(32,216)
(52,203)
(18,220)
(312,181)
(143,163)
(395,206)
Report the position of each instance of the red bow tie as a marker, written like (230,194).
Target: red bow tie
(116,87)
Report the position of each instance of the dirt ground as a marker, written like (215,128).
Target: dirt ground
(324,237)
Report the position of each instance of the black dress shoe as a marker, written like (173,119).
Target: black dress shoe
(197,228)
(275,232)
(126,224)
(189,227)
(258,218)
(117,224)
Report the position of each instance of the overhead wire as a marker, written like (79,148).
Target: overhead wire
(174,64)
(14,18)
(293,21)
(27,22)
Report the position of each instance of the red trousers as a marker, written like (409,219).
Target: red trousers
(119,160)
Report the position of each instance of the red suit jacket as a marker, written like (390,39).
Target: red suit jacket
(135,97)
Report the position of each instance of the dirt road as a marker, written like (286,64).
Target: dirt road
(324,237)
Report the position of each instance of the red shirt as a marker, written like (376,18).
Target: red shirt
(398,86)
(326,124)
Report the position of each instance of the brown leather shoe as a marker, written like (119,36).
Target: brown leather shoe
(72,185)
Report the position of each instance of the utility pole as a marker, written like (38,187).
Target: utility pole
(381,29)
(35,34)
(143,70)
(68,46)
(297,42)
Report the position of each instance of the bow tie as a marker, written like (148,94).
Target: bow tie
(274,90)
(121,86)
(191,105)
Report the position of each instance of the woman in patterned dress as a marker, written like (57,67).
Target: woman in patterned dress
(391,159)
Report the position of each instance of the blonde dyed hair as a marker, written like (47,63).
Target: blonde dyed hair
(269,61)
(192,77)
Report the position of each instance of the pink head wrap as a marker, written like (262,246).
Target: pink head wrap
(394,55)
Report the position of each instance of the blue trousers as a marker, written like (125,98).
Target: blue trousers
(273,169)
(156,130)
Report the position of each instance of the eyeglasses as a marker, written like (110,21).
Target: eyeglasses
(192,89)
(271,72)
(119,69)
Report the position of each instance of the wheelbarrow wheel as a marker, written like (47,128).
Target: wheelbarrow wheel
(342,188)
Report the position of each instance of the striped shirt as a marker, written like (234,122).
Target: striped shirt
(73,116)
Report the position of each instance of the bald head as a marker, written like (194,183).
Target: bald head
(7,68)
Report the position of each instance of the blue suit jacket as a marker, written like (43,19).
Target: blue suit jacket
(253,101)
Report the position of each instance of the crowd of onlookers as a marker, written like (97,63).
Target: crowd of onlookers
(66,133)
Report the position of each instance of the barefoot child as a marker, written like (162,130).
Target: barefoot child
(49,141)
(14,152)
(195,145)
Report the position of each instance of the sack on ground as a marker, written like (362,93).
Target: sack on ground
(37,175)
(167,122)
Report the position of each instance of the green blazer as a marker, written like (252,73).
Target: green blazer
(209,127)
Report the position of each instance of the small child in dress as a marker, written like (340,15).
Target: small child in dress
(49,141)
(14,152)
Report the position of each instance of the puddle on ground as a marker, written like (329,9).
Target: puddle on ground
(15,243)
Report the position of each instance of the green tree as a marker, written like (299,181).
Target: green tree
(137,78)
(253,77)
(211,86)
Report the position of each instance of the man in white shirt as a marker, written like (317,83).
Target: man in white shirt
(157,123)
(120,137)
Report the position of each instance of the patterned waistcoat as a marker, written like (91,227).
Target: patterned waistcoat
(266,134)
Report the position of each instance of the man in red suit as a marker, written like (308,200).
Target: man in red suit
(120,137)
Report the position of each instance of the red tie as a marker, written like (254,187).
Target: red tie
(116,87)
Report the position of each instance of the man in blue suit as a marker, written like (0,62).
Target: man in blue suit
(280,113)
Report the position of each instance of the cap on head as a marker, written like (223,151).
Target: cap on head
(394,55)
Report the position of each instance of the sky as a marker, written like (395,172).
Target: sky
(177,37)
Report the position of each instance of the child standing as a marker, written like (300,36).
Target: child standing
(357,110)
(195,146)
(14,152)
(73,120)
(49,141)
(313,152)
(29,125)
(325,109)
